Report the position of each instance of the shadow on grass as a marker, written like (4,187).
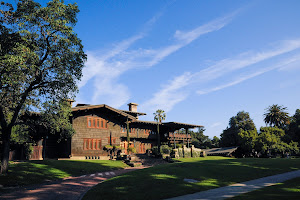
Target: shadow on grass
(167,180)
(34,172)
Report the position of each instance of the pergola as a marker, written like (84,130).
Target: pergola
(173,126)
(166,128)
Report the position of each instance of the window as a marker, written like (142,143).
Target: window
(147,131)
(96,122)
(132,130)
(123,128)
(89,122)
(91,144)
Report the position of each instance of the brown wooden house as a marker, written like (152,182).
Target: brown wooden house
(99,125)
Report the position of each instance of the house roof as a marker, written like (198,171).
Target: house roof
(178,125)
(145,122)
(220,151)
(132,112)
(89,107)
(133,116)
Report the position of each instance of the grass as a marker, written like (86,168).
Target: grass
(165,181)
(289,190)
(34,172)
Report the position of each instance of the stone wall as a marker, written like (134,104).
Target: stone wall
(188,152)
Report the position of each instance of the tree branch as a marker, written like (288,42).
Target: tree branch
(23,99)
(43,84)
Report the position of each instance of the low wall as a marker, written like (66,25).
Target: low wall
(188,152)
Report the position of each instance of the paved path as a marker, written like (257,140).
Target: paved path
(71,188)
(239,188)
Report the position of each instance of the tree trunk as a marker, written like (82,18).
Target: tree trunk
(158,139)
(5,154)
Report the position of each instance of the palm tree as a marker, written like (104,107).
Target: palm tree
(276,116)
(159,116)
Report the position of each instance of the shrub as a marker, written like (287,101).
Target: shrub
(165,149)
(155,151)
(131,149)
(28,148)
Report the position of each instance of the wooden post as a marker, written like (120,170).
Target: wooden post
(188,143)
(174,140)
(128,139)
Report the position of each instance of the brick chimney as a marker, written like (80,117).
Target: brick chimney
(70,101)
(133,107)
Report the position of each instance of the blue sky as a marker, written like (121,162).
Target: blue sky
(200,61)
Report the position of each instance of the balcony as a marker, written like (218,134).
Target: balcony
(179,136)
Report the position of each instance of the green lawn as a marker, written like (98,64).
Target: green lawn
(33,172)
(289,190)
(166,180)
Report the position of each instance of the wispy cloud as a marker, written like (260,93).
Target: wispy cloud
(216,124)
(169,95)
(187,37)
(284,63)
(227,67)
(104,70)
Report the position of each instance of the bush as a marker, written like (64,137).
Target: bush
(28,150)
(177,146)
(180,152)
(165,149)
(131,149)
(155,152)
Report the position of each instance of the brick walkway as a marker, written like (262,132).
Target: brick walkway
(71,188)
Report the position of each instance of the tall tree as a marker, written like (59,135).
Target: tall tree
(238,123)
(41,60)
(269,142)
(159,116)
(215,142)
(293,132)
(277,116)
(200,140)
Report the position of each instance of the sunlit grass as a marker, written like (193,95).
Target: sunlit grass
(165,181)
(33,172)
(289,190)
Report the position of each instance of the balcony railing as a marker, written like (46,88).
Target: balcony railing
(180,136)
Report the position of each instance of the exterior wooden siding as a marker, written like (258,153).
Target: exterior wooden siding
(87,139)
(94,136)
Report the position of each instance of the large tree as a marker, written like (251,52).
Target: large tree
(159,116)
(269,142)
(293,132)
(41,60)
(277,116)
(238,123)
(199,140)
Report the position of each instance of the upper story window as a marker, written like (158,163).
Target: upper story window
(123,128)
(147,131)
(96,122)
(132,130)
